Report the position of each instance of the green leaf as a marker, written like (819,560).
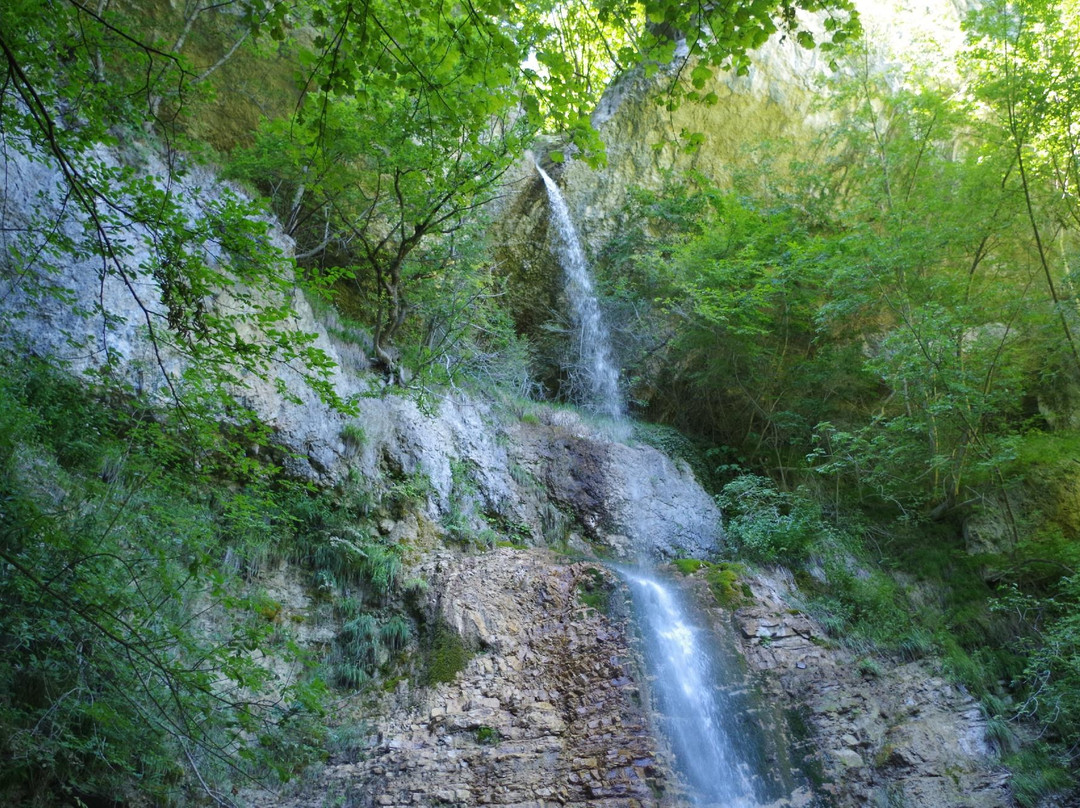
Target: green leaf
(699,75)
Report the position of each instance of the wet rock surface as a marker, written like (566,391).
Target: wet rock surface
(886,734)
(632,501)
(552,709)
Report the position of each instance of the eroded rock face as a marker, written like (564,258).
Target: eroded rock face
(548,712)
(554,708)
(899,735)
(633,501)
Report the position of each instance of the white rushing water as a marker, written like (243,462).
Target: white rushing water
(698,713)
(601,374)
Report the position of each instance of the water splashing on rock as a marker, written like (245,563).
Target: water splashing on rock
(594,348)
(700,707)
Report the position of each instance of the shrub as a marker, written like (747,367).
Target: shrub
(1038,773)
(110,678)
(769,525)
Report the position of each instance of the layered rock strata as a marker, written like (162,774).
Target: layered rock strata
(873,734)
(547,713)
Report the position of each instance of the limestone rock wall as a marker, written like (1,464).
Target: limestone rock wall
(552,477)
(549,712)
(554,708)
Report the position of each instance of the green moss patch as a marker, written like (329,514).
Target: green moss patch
(594,590)
(688,566)
(723,578)
(445,656)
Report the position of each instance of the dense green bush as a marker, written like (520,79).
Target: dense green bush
(768,525)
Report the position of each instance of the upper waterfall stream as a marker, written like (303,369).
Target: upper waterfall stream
(594,348)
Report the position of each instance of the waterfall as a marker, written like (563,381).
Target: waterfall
(705,714)
(594,345)
(700,708)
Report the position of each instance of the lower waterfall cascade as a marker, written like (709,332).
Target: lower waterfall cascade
(699,696)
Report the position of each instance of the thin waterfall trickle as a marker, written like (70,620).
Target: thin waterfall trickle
(700,715)
(601,374)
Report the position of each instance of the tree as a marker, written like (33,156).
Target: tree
(1024,59)
(536,61)
(363,187)
(130,651)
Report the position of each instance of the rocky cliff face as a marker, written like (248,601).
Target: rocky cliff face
(882,734)
(549,711)
(481,461)
(554,707)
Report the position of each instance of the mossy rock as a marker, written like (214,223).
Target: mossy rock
(688,566)
(723,578)
(724,583)
(594,590)
(445,656)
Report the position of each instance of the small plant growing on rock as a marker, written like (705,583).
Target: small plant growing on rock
(883,755)
(444,657)
(593,590)
(354,437)
(409,492)
(724,583)
(869,667)
(414,590)
(488,736)
(394,633)
(1038,772)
